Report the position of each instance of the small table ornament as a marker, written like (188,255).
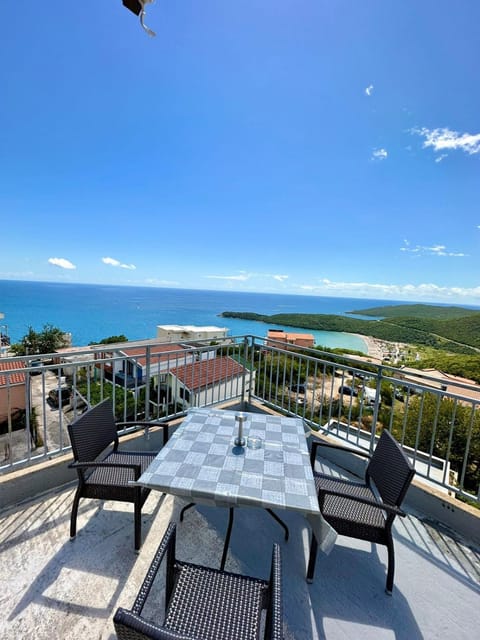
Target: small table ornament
(240,419)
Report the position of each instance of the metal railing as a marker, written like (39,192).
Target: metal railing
(437,420)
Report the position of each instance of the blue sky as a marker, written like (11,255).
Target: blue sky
(324,147)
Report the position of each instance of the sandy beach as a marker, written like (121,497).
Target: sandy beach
(377,349)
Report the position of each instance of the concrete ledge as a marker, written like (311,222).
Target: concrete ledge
(27,482)
(445,509)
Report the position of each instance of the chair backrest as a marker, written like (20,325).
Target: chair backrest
(93,432)
(390,469)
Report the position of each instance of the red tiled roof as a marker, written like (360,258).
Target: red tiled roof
(207,372)
(13,378)
(278,334)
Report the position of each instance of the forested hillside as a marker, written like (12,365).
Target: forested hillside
(457,334)
(449,342)
(429,311)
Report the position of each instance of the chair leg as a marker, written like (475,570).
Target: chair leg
(391,566)
(73,517)
(312,559)
(188,506)
(138,525)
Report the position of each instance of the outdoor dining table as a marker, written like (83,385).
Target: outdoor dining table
(202,463)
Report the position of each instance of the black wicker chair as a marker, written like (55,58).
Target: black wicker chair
(205,604)
(365,510)
(104,472)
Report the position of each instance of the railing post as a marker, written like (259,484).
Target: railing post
(9,445)
(147,383)
(376,407)
(245,356)
(252,367)
(28,412)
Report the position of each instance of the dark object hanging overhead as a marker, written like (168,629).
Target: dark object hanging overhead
(133,5)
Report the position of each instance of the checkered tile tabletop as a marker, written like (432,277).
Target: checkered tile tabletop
(201,463)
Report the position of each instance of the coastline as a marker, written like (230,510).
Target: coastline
(376,349)
(136,311)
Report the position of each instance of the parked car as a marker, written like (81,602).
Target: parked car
(298,388)
(65,394)
(399,394)
(37,364)
(347,391)
(370,396)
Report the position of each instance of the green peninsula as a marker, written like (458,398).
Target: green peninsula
(452,329)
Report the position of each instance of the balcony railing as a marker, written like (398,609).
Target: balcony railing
(437,420)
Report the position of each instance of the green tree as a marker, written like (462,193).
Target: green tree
(126,407)
(455,427)
(46,341)
(111,340)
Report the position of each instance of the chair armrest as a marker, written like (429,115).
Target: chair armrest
(125,622)
(115,465)
(339,447)
(145,425)
(166,545)
(275,612)
(378,504)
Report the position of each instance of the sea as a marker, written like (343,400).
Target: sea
(91,312)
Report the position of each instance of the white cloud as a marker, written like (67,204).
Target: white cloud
(63,263)
(243,276)
(116,263)
(445,139)
(240,277)
(428,292)
(442,157)
(379,154)
(434,250)
(369,90)
(17,275)
(161,283)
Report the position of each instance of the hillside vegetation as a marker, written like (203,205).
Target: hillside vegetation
(432,312)
(457,333)
(447,338)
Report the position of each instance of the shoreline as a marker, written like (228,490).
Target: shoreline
(376,348)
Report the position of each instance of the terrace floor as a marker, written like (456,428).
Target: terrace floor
(54,587)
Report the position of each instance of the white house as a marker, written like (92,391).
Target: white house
(179,333)
(137,363)
(209,381)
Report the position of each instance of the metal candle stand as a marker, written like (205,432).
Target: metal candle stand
(240,440)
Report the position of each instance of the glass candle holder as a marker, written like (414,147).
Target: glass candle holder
(254,442)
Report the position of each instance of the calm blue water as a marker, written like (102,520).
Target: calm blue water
(93,312)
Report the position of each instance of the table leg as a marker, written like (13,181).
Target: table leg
(280,522)
(227,538)
(228,533)
(312,559)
